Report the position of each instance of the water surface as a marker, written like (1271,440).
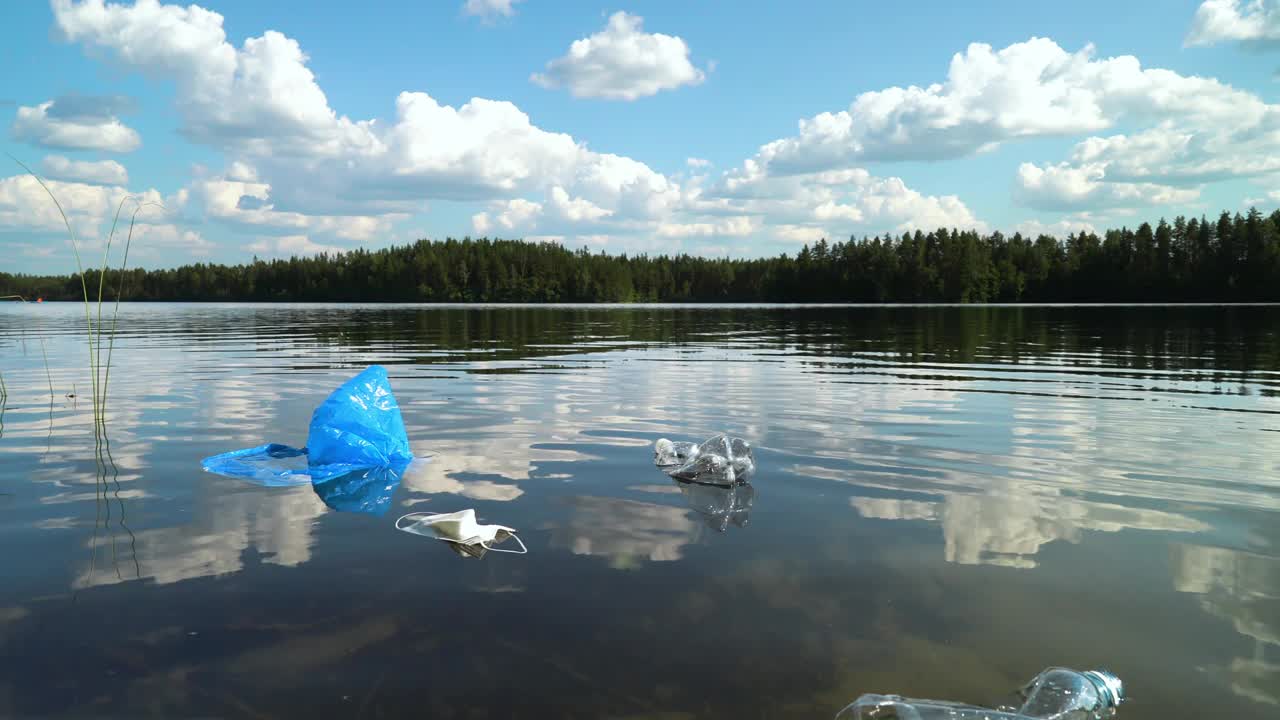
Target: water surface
(948,500)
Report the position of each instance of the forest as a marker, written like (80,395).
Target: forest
(1233,259)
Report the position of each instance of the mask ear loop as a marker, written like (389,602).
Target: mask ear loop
(413,515)
(522,551)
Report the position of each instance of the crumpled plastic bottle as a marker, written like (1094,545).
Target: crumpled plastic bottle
(1055,694)
(667,453)
(722,460)
(719,505)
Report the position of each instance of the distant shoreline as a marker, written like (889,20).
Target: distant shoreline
(1233,260)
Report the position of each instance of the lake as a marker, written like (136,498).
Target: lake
(947,500)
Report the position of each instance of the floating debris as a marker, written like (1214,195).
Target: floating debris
(1055,693)
(356,449)
(722,460)
(462,531)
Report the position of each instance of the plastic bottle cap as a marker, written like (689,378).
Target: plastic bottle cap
(1110,685)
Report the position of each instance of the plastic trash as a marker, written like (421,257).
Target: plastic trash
(356,449)
(667,453)
(365,490)
(273,465)
(359,425)
(461,530)
(719,505)
(722,460)
(1056,693)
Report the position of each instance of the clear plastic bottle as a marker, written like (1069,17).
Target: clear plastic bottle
(1054,694)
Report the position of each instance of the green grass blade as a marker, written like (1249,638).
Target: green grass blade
(84,285)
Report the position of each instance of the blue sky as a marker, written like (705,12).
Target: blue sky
(740,128)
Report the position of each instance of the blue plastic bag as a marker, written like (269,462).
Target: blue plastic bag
(273,465)
(359,426)
(356,449)
(367,490)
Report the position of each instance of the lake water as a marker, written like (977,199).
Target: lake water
(948,500)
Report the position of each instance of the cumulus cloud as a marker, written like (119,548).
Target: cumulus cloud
(147,239)
(1184,151)
(26,207)
(1164,163)
(102,172)
(490,9)
(289,246)
(1253,22)
(248,204)
(300,169)
(74,106)
(622,62)
(261,105)
(1082,187)
(24,204)
(49,126)
(737,226)
(1060,229)
(833,203)
(1191,130)
(1028,89)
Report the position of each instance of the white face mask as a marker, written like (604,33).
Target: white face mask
(461,530)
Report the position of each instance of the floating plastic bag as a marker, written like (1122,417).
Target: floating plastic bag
(461,530)
(273,465)
(359,425)
(366,490)
(356,449)
(722,460)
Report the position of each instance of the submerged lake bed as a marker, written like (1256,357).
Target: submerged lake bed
(947,500)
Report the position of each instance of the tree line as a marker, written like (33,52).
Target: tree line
(1236,258)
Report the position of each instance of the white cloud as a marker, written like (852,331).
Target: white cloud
(289,245)
(1265,202)
(490,9)
(42,125)
(149,238)
(248,203)
(261,105)
(24,204)
(1183,151)
(1248,21)
(508,215)
(1163,164)
(834,203)
(1192,130)
(740,226)
(91,209)
(1028,89)
(1033,229)
(798,234)
(622,62)
(298,167)
(1082,187)
(104,172)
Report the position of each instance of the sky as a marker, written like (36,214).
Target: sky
(238,129)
